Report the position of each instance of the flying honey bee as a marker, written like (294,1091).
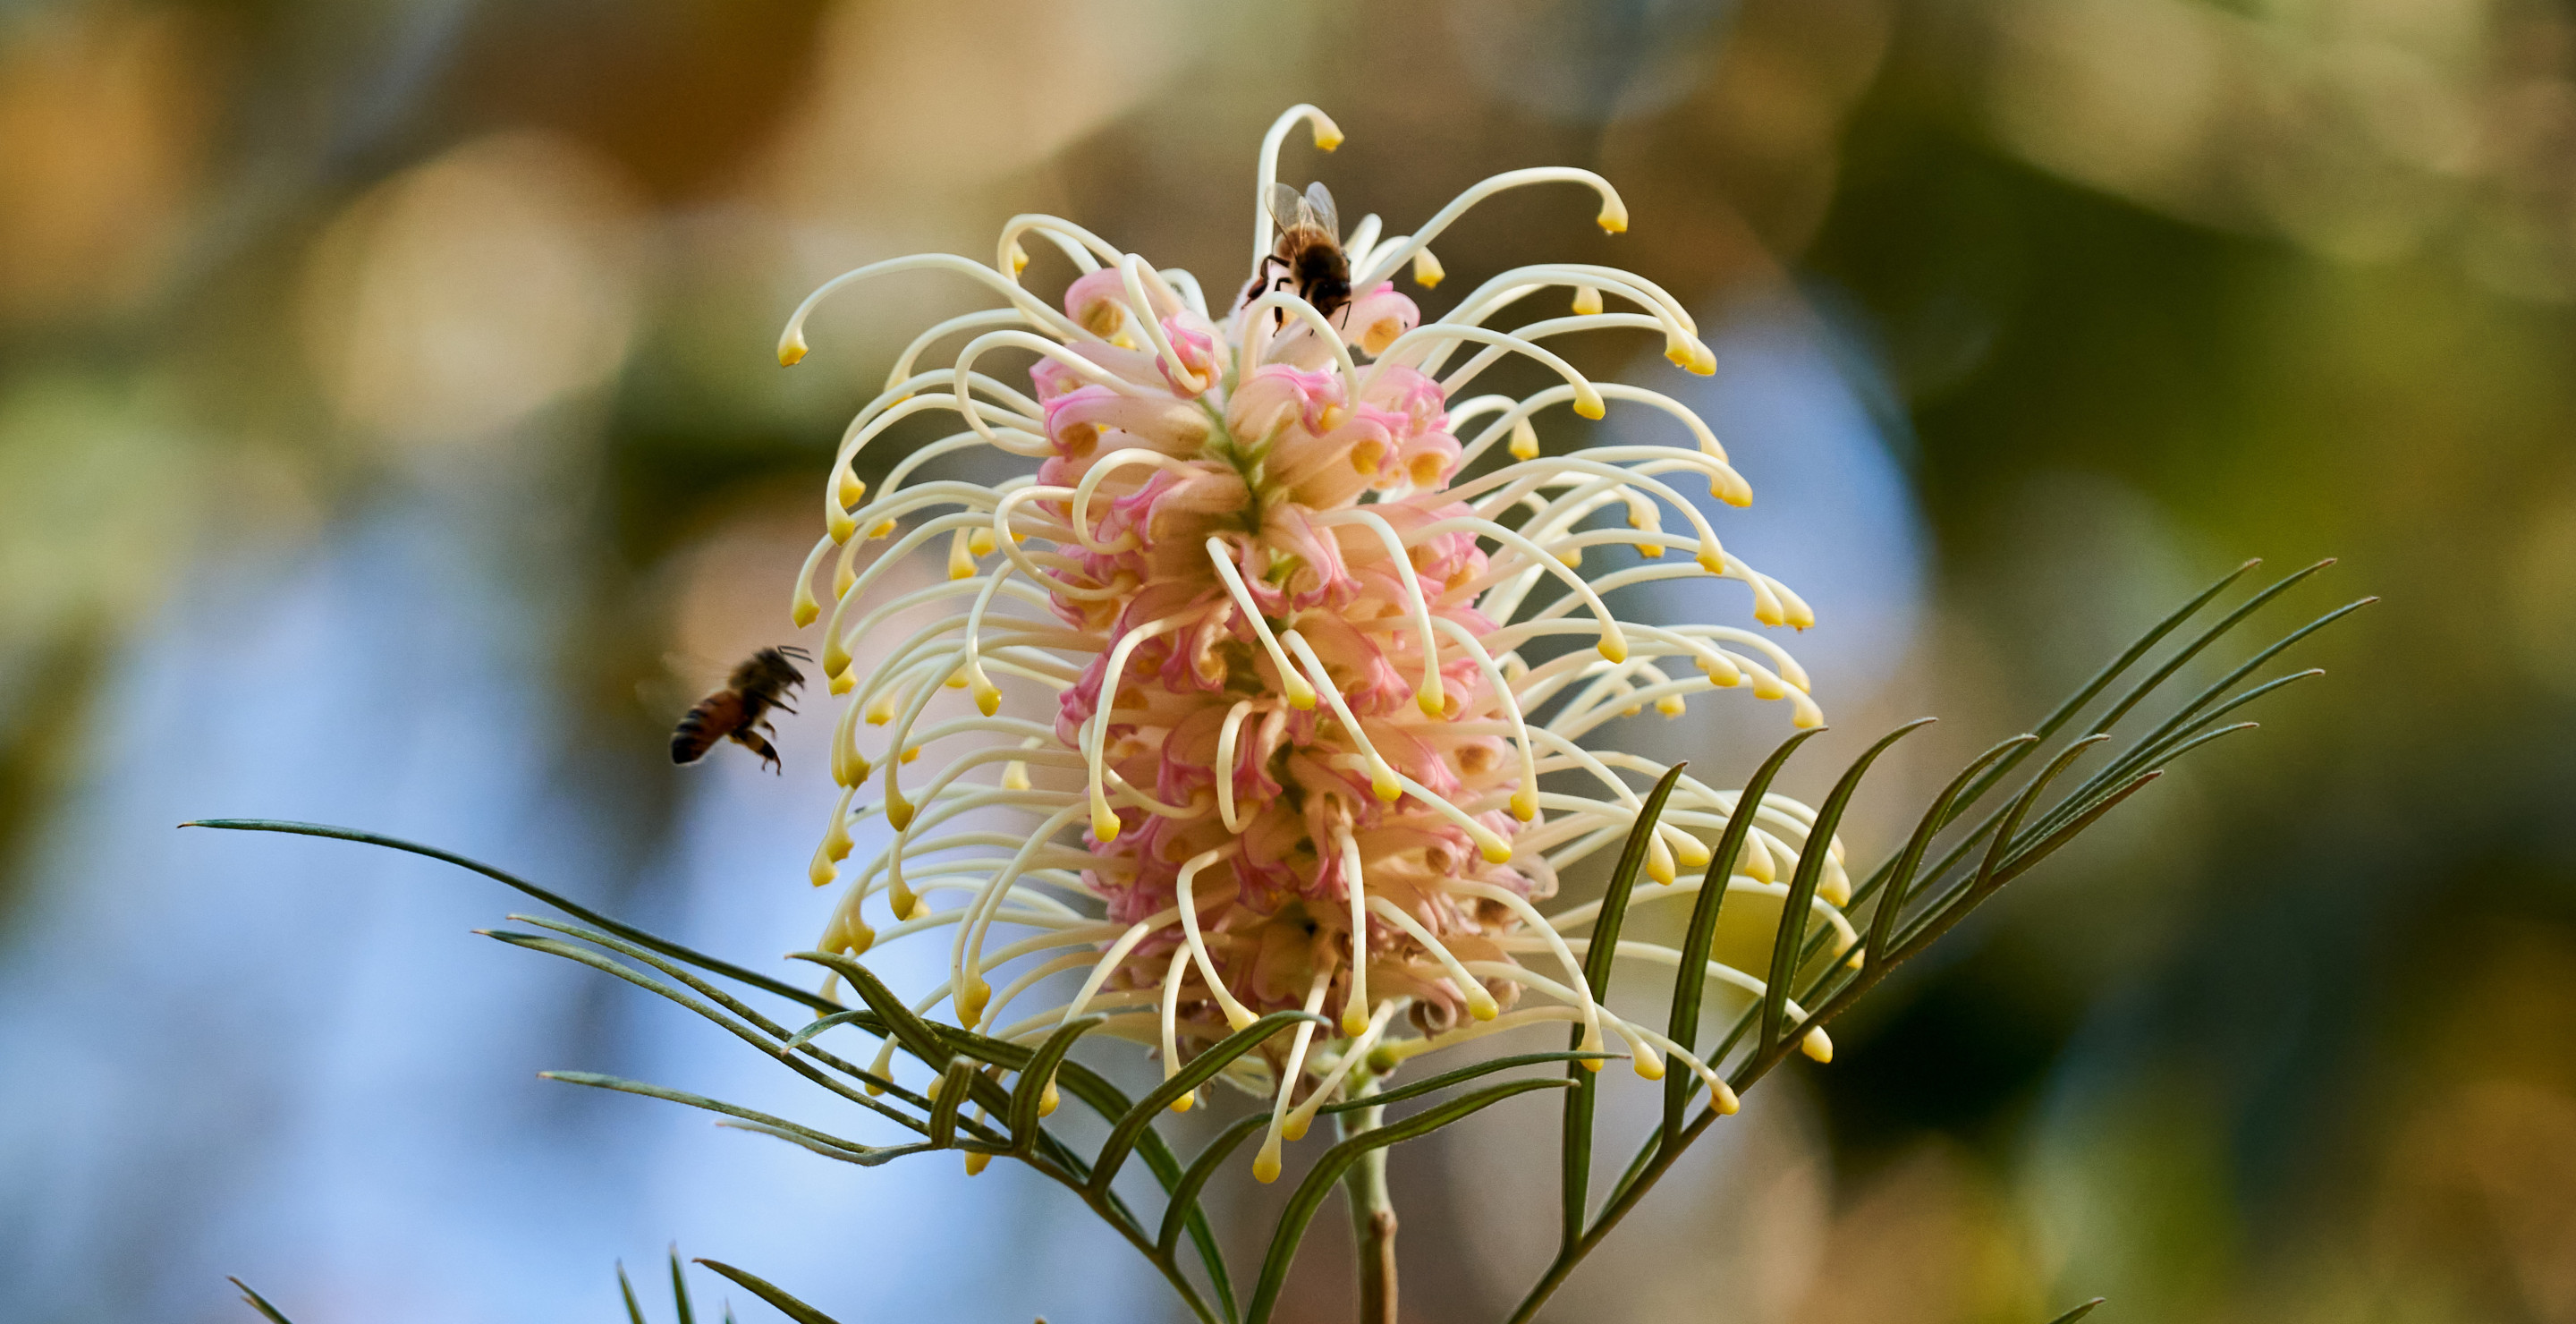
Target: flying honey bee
(1308,258)
(740,711)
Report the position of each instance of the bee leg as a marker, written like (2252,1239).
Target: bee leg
(768,755)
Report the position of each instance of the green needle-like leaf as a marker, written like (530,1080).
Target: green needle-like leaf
(956,1086)
(626,1289)
(848,1150)
(1893,894)
(914,1033)
(584,956)
(1574,1147)
(1126,1130)
(1032,1087)
(2077,1313)
(1789,947)
(1328,1170)
(1689,984)
(259,1303)
(1185,1194)
(759,1287)
(663,945)
(1435,1084)
(679,1288)
(861,1016)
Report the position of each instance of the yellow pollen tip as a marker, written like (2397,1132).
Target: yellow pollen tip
(1104,825)
(1677,352)
(1712,562)
(821,872)
(1524,805)
(1496,852)
(971,1000)
(1238,1017)
(1185,1102)
(1613,218)
(912,753)
(1694,853)
(853,488)
(1301,696)
(1482,1006)
(1817,1046)
(1265,1169)
(861,939)
(806,610)
(1019,259)
(900,899)
(1571,557)
(1587,301)
(898,811)
(1015,776)
(843,683)
(1524,444)
(957,680)
(842,582)
(1048,1099)
(988,699)
(1589,405)
(1387,789)
(1649,1067)
(980,542)
(1703,360)
(791,350)
(1295,1127)
(1724,1100)
(1613,648)
(836,659)
(1661,871)
(841,526)
(1652,551)
(1430,700)
(1591,1063)
(1327,138)
(976,1159)
(884,529)
(1427,271)
(1354,1022)
(1671,705)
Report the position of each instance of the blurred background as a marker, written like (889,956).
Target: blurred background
(389,435)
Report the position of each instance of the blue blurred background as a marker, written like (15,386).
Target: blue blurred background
(389,435)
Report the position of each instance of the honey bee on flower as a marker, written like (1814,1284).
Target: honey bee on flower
(1314,742)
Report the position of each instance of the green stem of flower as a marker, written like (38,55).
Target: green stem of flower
(1372,1215)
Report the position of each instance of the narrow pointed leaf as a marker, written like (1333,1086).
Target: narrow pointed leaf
(2102,679)
(914,1033)
(259,1303)
(1574,1144)
(2077,1313)
(1893,893)
(680,1289)
(1185,1195)
(1138,1121)
(759,1287)
(664,945)
(1790,943)
(857,1152)
(2213,634)
(1032,1086)
(1688,984)
(626,1289)
(1328,1170)
(1435,1084)
(956,1086)
(584,956)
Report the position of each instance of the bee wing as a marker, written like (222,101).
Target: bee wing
(1319,206)
(1286,209)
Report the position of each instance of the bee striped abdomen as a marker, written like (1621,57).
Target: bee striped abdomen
(717,716)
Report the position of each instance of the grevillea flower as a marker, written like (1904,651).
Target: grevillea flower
(1322,663)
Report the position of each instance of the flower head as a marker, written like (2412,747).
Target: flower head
(1316,735)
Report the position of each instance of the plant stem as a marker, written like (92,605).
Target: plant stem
(1372,1215)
